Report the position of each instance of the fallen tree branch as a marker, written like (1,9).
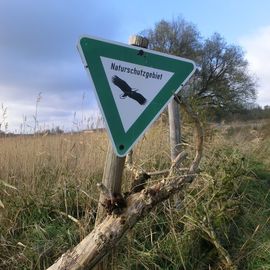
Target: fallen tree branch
(107,234)
(181,156)
(142,176)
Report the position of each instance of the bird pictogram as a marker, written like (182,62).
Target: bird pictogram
(127,90)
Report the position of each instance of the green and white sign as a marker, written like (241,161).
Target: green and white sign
(132,86)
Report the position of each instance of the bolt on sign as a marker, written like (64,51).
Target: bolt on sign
(132,85)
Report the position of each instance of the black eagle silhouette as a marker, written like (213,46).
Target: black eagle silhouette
(127,90)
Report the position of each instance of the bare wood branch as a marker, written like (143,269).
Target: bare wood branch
(70,217)
(176,162)
(180,158)
(108,233)
(140,173)
(167,171)
(141,176)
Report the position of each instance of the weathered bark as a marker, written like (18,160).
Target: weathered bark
(140,176)
(108,233)
(112,179)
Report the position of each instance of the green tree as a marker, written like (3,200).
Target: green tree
(222,80)
(177,37)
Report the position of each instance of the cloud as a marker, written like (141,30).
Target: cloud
(38,54)
(69,112)
(258,54)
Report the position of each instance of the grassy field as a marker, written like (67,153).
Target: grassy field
(49,199)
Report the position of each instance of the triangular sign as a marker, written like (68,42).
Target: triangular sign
(132,85)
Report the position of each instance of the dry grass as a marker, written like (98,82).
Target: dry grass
(47,192)
(22,155)
(48,198)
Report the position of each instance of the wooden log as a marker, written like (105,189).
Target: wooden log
(107,234)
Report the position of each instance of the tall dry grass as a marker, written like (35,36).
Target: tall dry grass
(47,185)
(49,199)
(22,156)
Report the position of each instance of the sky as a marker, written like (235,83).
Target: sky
(41,73)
